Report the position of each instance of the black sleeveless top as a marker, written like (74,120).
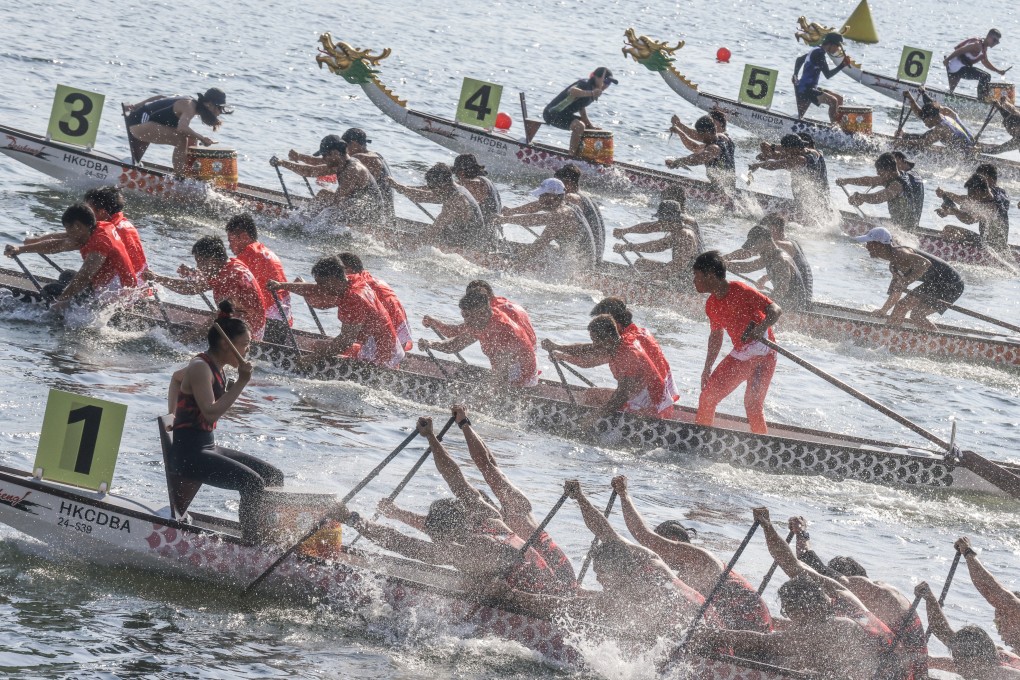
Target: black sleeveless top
(722,169)
(595,223)
(160,111)
(905,209)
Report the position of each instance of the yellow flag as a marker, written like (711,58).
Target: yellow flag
(860,27)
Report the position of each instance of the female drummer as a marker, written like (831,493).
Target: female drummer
(199,397)
(167,120)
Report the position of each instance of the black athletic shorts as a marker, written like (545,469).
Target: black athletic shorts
(939,294)
(559,120)
(810,96)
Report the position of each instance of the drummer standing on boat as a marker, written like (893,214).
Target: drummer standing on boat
(167,120)
(960,63)
(746,315)
(815,65)
(940,287)
(569,109)
(198,396)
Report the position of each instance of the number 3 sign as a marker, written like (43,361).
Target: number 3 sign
(479,103)
(80,440)
(75,116)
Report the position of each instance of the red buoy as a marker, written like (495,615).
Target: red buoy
(503,121)
(723,55)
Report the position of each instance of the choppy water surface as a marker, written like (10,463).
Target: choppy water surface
(69,619)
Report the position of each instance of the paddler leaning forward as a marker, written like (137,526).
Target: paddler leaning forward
(367,331)
(746,315)
(941,285)
(106,266)
(564,223)
(466,532)
(198,397)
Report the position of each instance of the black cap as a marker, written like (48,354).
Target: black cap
(909,165)
(832,39)
(792,141)
(670,210)
(356,135)
(468,163)
(603,72)
(331,143)
(756,235)
(215,95)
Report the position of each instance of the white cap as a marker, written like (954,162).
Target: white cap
(877,235)
(550,186)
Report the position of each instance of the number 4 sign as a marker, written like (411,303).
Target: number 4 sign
(479,103)
(80,440)
(914,65)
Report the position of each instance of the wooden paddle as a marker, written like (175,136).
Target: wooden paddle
(50,262)
(977,315)
(715,589)
(772,569)
(230,344)
(322,522)
(315,318)
(945,587)
(522,551)
(595,541)
(624,255)
(577,374)
(275,162)
(456,354)
(283,316)
(309,185)
(886,655)
(411,473)
(31,277)
(563,379)
(857,207)
(988,118)
(881,408)
(438,363)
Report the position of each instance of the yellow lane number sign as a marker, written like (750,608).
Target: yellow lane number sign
(758,86)
(80,440)
(914,64)
(479,103)
(75,116)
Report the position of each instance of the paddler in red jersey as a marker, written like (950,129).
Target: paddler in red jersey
(513,310)
(738,604)
(745,314)
(515,508)
(507,345)
(639,592)
(108,205)
(106,268)
(265,266)
(226,277)
(367,333)
(465,532)
(640,387)
(398,317)
(828,631)
(975,655)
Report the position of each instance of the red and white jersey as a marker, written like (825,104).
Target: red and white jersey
(236,283)
(517,314)
(116,271)
(651,397)
(509,349)
(376,342)
(390,301)
(132,242)
(266,266)
(654,352)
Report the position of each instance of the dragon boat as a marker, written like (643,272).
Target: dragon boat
(110,529)
(554,407)
(657,57)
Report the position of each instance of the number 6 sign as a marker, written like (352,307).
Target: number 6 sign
(914,65)
(80,440)
(758,86)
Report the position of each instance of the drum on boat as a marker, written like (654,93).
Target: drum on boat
(218,166)
(597,146)
(855,119)
(995,92)
(287,515)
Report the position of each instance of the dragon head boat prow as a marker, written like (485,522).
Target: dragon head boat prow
(344,60)
(652,54)
(811,32)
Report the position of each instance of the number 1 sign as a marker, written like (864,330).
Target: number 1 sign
(80,440)
(479,103)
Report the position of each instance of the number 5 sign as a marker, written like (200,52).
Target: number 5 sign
(75,116)
(479,103)
(80,440)
(758,86)
(914,65)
